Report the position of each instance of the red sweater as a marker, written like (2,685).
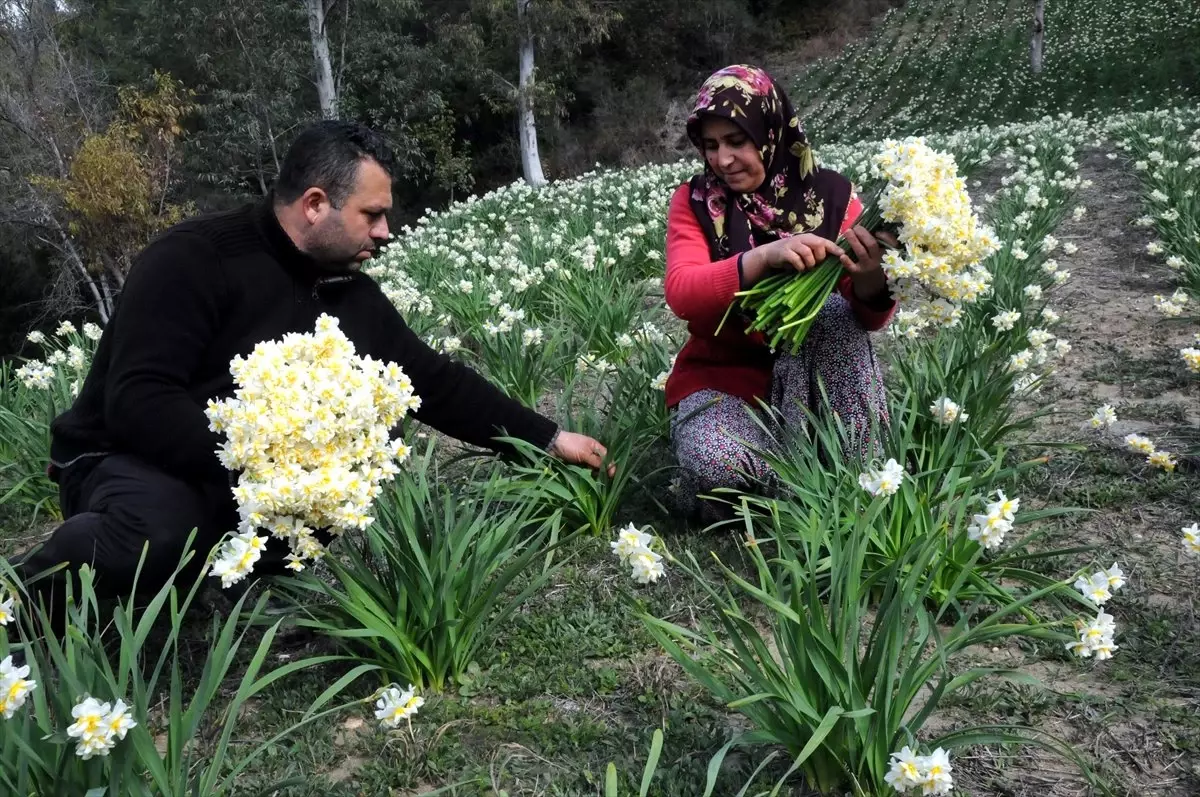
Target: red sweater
(700,291)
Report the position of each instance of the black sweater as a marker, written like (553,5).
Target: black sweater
(213,287)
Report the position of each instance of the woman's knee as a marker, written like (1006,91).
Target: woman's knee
(720,461)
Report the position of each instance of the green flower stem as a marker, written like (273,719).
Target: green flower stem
(785,306)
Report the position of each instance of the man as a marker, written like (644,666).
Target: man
(134,457)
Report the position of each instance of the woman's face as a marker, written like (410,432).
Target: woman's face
(731,155)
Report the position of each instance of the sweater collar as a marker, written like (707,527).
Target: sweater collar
(281,246)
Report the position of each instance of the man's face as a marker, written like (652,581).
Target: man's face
(344,237)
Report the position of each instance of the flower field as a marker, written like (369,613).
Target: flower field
(1001,603)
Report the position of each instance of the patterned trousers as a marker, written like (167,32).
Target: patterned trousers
(714,435)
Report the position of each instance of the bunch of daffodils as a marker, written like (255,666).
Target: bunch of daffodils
(634,548)
(309,430)
(929,773)
(99,726)
(15,686)
(66,355)
(989,528)
(944,245)
(1095,637)
(395,706)
(1099,586)
(883,481)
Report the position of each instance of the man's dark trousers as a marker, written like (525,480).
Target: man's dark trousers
(113,506)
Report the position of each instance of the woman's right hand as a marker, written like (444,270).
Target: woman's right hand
(801,252)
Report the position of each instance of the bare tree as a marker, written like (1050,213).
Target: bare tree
(48,104)
(1039,28)
(531,162)
(92,181)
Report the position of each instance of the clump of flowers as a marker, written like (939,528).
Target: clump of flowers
(15,686)
(238,557)
(1191,358)
(1104,417)
(1154,457)
(989,528)
(1099,586)
(929,773)
(1171,306)
(395,706)
(66,356)
(944,244)
(947,412)
(635,549)
(308,430)
(883,481)
(1140,444)
(99,726)
(1005,320)
(1095,637)
(1191,538)
(1162,460)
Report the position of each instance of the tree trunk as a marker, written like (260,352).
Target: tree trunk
(531,163)
(95,285)
(1039,27)
(319,35)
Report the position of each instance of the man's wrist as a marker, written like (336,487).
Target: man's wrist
(553,440)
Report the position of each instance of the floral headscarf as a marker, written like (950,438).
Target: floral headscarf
(796,197)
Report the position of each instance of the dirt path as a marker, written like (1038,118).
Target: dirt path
(1136,716)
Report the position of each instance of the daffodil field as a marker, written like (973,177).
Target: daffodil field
(1001,602)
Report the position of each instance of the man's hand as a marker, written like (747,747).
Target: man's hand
(579,449)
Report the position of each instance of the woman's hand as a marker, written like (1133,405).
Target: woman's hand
(866,269)
(579,449)
(801,252)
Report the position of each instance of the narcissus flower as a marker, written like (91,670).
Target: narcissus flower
(882,482)
(1104,417)
(395,706)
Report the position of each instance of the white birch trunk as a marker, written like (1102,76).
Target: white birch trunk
(1039,28)
(319,35)
(531,162)
(96,285)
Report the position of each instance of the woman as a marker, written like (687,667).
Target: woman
(761,206)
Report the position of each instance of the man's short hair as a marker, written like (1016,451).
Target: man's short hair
(326,156)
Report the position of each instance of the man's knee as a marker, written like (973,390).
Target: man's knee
(135,516)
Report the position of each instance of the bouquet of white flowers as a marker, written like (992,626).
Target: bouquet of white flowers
(309,430)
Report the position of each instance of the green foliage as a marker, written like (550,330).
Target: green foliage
(433,581)
(137,651)
(1163,149)
(840,663)
(28,404)
(25,417)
